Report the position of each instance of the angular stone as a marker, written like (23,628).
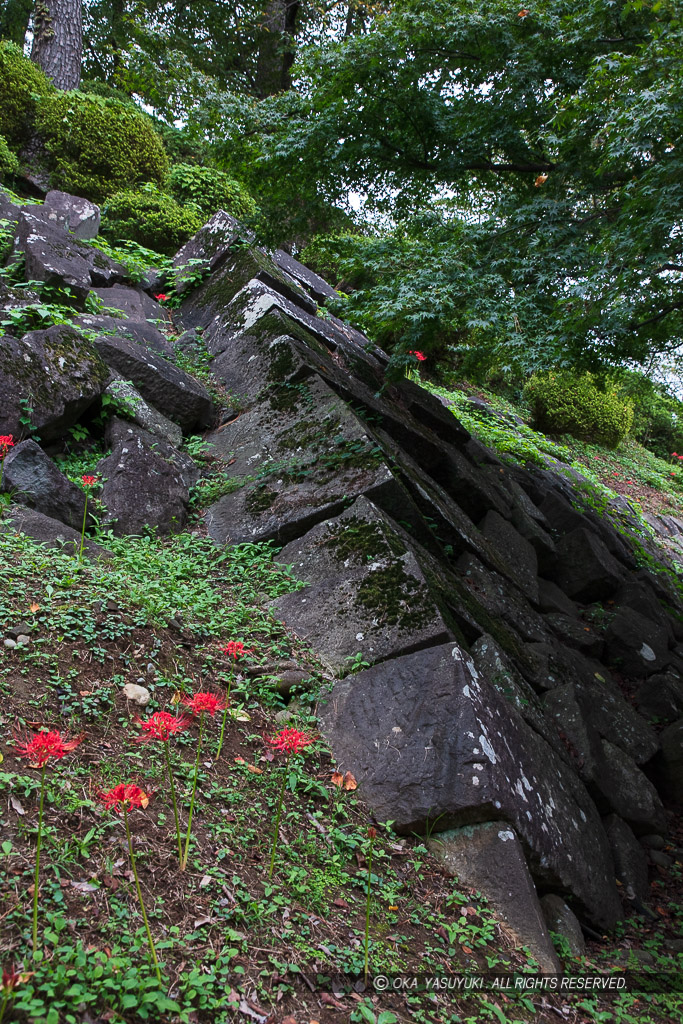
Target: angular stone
(9,211)
(630,793)
(141,332)
(630,859)
(552,599)
(141,489)
(252,275)
(489,857)
(211,244)
(517,552)
(670,763)
(312,460)
(366,590)
(560,920)
(51,256)
(576,633)
(635,645)
(134,303)
(57,258)
(129,402)
(119,431)
(82,218)
(429,740)
(50,532)
(34,480)
(319,289)
(252,366)
(637,595)
(661,697)
(493,664)
(576,731)
(586,571)
(559,513)
(501,599)
(51,375)
(170,390)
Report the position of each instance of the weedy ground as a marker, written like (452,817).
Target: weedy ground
(235,946)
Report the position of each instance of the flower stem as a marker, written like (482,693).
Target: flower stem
(175,803)
(85,513)
(367,909)
(137,886)
(5,996)
(225,713)
(37,874)
(183,863)
(276,833)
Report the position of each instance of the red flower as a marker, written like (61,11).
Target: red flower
(420,356)
(161,297)
(372,832)
(204,703)
(236,649)
(125,796)
(6,442)
(160,726)
(10,979)
(89,481)
(289,741)
(45,745)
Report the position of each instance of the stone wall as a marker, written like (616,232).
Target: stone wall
(517,654)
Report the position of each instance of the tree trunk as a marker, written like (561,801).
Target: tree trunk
(58,41)
(276,47)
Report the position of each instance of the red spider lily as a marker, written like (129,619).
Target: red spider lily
(372,832)
(46,745)
(160,726)
(420,356)
(289,741)
(204,704)
(10,978)
(236,649)
(161,297)
(89,481)
(6,442)
(124,797)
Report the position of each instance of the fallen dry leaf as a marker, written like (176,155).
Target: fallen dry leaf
(206,880)
(253,768)
(16,804)
(33,607)
(329,1000)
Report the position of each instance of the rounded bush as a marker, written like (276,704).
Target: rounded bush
(569,403)
(209,190)
(20,81)
(151,218)
(98,146)
(8,161)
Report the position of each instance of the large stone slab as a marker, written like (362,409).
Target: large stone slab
(490,858)
(211,244)
(433,745)
(366,590)
(57,258)
(141,488)
(140,331)
(629,792)
(586,570)
(519,555)
(169,389)
(33,478)
(129,404)
(134,303)
(52,376)
(311,456)
(50,532)
(308,279)
(81,217)
(248,271)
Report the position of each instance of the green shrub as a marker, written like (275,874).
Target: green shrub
(20,81)
(8,161)
(151,218)
(569,403)
(209,190)
(98,146)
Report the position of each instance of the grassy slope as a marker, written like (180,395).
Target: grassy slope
(234,945)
